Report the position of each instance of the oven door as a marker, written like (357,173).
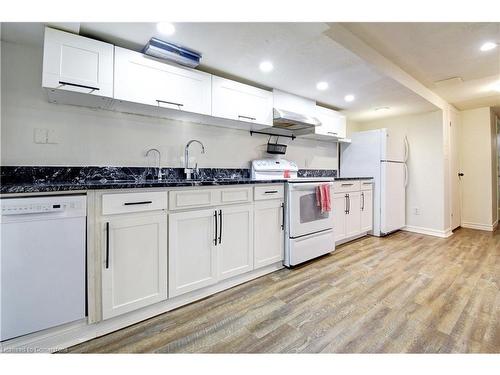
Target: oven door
(305,217)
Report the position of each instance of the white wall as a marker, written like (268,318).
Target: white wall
(425,189)
(477,161)
(98,137)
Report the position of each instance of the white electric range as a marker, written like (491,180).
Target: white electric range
(308,231)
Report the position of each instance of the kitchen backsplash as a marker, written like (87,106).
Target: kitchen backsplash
(50,174)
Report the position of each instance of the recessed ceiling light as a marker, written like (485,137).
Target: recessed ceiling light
(488,46)
(165,28)
(382,109)
(496,87)
(266,66)
(349,98)
(322,85)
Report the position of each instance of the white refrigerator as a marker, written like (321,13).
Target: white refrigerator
(380,154)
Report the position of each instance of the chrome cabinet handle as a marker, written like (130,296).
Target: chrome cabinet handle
(332,133)
(271,192)
(345,204)
(346,184)
(107,245)
(247,117)
(166,102)
(362,201)
(216,231)
(348,204)
(77,85)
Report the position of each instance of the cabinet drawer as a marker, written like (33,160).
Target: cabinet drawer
(345,186)
(269,192)
(366,185)
(133,202)
(184,199)
(235,195)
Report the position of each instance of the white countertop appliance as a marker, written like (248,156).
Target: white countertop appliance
(308,232)
(42,263)
(381,154)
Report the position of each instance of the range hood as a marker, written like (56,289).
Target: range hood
(294,113)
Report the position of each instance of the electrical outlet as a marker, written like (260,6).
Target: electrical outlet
(40,135)
(52,137)
(416,211)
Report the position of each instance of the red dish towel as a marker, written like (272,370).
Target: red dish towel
(323,199)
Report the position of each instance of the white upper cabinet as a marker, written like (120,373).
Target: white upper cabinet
(333,124)
(143,79)
(75,63)
(237,101)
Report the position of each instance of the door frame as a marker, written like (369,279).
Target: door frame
(455,197)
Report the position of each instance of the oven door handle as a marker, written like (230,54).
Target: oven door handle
(308,185)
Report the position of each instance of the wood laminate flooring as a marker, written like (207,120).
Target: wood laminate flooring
(406,293)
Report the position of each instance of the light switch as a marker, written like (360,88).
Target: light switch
(40,135)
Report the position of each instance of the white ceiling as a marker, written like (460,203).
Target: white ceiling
(433,52)
(302,56)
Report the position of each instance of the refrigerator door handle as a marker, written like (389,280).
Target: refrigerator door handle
(407,149)
(406,175)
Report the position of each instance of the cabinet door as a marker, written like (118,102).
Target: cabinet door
(269,237)
(366,210)
(339,215)
(333,124)
(235,240)
(192,252)
(75,63)
(353,217)
(135,263)
(146,80)
(237,101)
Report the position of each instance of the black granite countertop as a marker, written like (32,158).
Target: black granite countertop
(39,179)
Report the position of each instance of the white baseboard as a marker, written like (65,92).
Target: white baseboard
(429,231)
(478,226)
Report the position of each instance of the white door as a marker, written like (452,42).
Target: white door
(393,197)
(269,238)
(333,124)
(353,217)
(366,210)
(134,271)
(393,145)
(339,209)
(75,63)
(192,252)
(143,79)
(237,101)
(455,170)
(235,240)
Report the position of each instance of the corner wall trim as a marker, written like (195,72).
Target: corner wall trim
(478,226)
(429,231)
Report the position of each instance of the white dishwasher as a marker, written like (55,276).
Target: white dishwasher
(42,263)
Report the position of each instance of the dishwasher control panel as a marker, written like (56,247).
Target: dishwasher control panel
(43,205)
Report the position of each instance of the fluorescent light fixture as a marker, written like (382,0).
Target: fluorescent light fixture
(382,109)
(322,86)
(165,28)
(496,86)
(488,46)
(349,98)
(266,66)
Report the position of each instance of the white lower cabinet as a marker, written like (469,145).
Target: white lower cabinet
(352,210)
(353,214)
(134,262)
(269,238)
(192,251)
(339,213)
(235,241)
(366,210)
